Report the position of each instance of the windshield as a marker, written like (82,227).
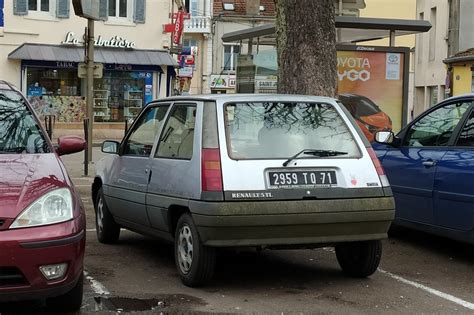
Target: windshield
(280,130)
(19,131)
(359,106)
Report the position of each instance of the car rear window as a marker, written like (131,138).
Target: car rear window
(19,130)
(263,130)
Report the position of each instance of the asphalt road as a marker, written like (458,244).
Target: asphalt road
(419,273)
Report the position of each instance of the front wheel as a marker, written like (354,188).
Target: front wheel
(194,261)
(359,259)
(108,231)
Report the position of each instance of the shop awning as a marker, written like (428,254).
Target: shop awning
(41,52)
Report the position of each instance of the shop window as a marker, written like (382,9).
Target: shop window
(119,95)
(53,82)
(230,57)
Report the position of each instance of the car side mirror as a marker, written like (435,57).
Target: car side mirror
(385,137)
(70,144)
(110,146)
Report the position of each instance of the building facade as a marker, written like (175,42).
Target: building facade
(42,49)
(230,16)
(444,57)
(195,58)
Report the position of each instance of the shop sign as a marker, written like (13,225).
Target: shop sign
(178,27)
(185,72)
(266,82)
(189,50)
(224,81)
(113,42)
(65,64)
(185,60)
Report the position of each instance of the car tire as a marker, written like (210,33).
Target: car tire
(194,261)
(71,301)
(108,231)
(359,259)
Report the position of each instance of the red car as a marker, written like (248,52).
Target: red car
(42,219)
(367,114)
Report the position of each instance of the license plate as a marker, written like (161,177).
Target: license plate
(306,179)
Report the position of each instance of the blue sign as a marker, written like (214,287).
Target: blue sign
(1,14)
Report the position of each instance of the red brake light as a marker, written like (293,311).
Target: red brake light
(376,161)
(211,174)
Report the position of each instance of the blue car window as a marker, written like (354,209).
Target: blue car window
(436,128)
(466,138)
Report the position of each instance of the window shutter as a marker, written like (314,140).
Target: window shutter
(104,9)
(20,7)
(62,9)
(139,11)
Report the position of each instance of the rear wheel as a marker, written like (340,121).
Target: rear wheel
(194,261)
(359,259)
(71,301)
(108,231)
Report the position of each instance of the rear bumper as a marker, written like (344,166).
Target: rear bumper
(23,251)
(305,222)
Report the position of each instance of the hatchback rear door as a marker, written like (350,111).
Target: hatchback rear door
(261,136)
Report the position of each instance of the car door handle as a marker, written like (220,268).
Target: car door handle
(429,163)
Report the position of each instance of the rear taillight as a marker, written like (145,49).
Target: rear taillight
(211,173)
(378,167)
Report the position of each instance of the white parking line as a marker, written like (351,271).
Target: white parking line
(96,286)
(440,294)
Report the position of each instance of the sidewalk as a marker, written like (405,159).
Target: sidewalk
(75,166)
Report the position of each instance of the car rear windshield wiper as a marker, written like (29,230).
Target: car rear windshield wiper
(318,153)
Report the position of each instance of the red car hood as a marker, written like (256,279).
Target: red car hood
(26,177)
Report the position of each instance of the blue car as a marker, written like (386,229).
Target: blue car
(430,167)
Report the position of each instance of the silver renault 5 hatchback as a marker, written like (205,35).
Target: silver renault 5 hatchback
(264,171)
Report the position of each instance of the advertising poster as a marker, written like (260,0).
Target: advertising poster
(372,87)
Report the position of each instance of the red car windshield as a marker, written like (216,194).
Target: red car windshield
(19,130)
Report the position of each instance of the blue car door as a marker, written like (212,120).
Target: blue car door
(411,168)
(454,193)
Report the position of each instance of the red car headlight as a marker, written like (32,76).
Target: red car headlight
(53,207)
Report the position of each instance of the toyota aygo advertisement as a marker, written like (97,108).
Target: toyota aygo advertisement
(373,86)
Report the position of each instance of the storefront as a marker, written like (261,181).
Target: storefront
(131,78)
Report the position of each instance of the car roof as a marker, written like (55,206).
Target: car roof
(249,97)
(4,85)
(452,98)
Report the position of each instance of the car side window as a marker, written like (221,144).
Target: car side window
(140,142)
(466,137)
(436,128)
(177,138)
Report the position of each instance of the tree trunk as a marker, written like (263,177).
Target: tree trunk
(306,44)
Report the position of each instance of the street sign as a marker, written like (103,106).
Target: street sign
(82,70)
(89,9)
